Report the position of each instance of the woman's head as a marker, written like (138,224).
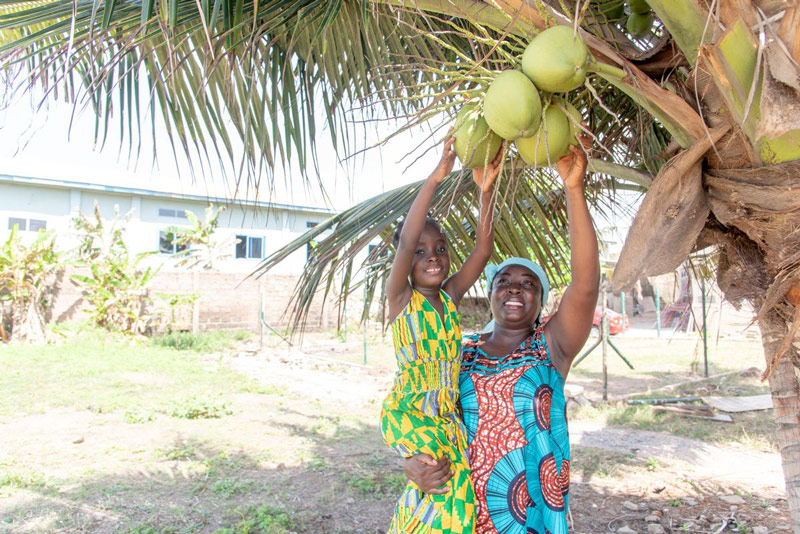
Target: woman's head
(518,290)
(430,263)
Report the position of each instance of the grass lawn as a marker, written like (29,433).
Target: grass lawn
(93,370)
(105,434)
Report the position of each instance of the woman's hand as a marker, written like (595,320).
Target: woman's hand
(429,474)
(446,162)
(484,177)
(572,167)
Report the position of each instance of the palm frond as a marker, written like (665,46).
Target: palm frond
(530,221)
(255,84)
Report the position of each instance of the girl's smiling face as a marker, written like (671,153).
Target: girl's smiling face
(431,262)
(516,298)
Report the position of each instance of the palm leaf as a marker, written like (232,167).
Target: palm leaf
(263,73)
(530,221)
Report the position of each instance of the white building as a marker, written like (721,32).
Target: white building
(228,297)
(254,228)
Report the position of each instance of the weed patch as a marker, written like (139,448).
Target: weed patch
(197,408)
(262,520)
(137,415)
(199,342)
(31,480)
(374,485)
(179,452)
(231,486)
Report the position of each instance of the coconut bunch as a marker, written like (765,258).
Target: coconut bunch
(528,106)
(640,20)
(638,16)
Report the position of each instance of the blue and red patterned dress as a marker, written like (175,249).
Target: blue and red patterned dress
(515,414)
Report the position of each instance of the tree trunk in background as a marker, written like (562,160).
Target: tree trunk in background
(785,386)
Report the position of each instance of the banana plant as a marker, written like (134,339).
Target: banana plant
(27,276)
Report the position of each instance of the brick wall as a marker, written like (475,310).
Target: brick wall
(226,301)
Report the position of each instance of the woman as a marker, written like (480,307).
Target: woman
(512,384)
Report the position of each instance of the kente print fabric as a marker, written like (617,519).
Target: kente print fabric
(515,413)
(420,416)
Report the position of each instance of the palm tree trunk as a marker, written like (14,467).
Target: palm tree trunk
(785,386)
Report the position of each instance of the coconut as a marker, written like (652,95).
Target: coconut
(638,7)
(511,106)
(550,142)
(639,25)
(556,60)
(476,145)
(574,118)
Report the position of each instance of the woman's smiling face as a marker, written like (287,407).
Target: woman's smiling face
(516,297)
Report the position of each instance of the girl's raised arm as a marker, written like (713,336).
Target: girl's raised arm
(398,290)
(458,284)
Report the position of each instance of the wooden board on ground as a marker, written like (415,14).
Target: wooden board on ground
(740,404)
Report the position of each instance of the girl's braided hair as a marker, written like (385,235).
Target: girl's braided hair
(428,221)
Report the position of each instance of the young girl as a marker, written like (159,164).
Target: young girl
(419,415)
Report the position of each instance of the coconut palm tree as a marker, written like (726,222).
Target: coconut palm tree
(700,108)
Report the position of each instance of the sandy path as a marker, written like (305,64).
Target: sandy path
(329,381)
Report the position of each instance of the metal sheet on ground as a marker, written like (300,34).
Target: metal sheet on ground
(740,404)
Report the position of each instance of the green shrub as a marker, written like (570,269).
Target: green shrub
(201,341)
(262,520)
(196,408)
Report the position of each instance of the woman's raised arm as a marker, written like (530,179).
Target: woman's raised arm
(569,328)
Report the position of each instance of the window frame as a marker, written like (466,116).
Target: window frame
(248,242)
(175,247)
(309,246)
(21,222)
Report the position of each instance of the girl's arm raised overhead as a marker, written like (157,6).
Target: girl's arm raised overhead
(398,290)
(473,266)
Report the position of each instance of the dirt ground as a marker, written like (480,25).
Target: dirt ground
(304,452)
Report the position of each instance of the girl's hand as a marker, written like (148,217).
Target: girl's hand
(484,177)
(572,167)
(447,161)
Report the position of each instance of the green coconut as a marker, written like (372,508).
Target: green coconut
(639,25)
(556,60)
(574,118)
(639,7)
(550,142)
(511,106)
(476,145)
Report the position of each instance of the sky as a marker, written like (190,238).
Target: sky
(57,141)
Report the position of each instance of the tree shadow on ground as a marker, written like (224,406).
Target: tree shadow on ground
(347,482)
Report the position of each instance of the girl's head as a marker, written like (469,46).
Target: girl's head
(430,263)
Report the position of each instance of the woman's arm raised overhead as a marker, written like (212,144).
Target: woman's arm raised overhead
(569,327)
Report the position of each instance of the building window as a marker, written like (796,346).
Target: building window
(311,244)
(34,225)
(21,223)
(172,213)
(31,225)
(249,247)
(166,243)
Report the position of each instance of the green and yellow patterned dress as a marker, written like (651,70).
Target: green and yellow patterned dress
(420,416)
